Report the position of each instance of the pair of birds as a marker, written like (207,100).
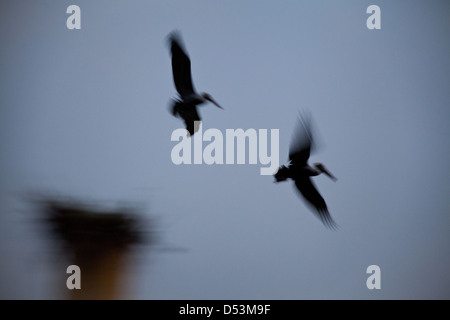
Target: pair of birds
(298,169)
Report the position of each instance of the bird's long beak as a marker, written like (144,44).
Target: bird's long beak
(214,101)
(328,173)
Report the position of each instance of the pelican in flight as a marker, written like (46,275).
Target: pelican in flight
(186,105)
(299,171)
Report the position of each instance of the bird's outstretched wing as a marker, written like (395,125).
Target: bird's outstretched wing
(181,66)
(301,143)
(313,197)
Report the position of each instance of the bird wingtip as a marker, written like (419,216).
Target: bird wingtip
(174,36)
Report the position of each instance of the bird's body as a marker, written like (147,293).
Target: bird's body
(188,112)
(186,105)
(301,172)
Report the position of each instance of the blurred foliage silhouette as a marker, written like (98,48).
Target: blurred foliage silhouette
(99,241)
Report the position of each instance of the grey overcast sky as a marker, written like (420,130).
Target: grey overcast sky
(84,114)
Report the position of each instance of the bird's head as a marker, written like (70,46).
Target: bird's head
(319,166)
(282,174)
(208,97)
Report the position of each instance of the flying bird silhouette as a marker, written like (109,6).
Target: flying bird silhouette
(186,105)
(298,170)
